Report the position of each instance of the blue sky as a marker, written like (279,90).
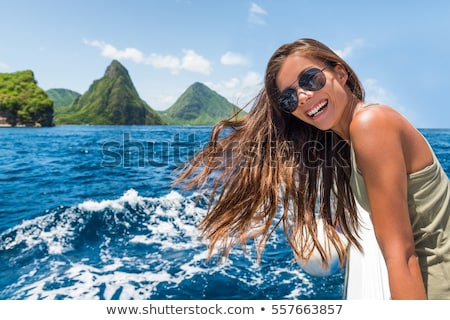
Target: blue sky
(399,49)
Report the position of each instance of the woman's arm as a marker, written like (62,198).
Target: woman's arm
(378,140)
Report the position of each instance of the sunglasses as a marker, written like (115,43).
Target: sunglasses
(312,79)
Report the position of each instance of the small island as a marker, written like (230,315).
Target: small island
(22,102)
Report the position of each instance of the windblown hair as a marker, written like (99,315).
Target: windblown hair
(269,169)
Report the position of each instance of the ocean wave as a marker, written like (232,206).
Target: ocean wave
(137,247)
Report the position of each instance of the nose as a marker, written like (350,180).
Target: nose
(303,95)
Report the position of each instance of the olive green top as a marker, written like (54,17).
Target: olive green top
(429,211)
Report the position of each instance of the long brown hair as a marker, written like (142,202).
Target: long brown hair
(270,169)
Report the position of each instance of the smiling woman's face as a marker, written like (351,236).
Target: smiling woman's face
(322,108)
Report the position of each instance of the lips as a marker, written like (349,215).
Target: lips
(317,109)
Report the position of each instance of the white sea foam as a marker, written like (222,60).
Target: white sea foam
(130,197)
(107,282)
(170,216)
(176,254)
(42,230)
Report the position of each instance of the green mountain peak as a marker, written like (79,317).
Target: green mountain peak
(62,97)
(111,100)
(199,105)
(115,69)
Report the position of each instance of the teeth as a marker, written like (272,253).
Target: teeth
(316,109)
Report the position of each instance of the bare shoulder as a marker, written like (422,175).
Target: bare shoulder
(376,116)
(378,132)
(376,123)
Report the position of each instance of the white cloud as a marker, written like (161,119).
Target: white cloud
(190,61)
(256,14)
(162,102)
(110,51)
(233,59)
(239,91)
(3,66)
(348,50)
(231,83)
(252,79)
(375,92)
(195,63)
(161,61)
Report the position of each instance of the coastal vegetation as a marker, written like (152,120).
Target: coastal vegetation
(62,97)
(110,100)
(23,102)
(199,105)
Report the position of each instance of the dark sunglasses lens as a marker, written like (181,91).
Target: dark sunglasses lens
(288,100)
(312,80)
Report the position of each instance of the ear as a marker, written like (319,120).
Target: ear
(341,73)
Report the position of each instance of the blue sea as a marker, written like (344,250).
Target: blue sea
(88,212)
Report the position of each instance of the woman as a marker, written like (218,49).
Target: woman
(311,145)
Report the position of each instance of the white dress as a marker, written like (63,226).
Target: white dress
(366,274)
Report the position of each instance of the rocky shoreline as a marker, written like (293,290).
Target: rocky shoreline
(4,124)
